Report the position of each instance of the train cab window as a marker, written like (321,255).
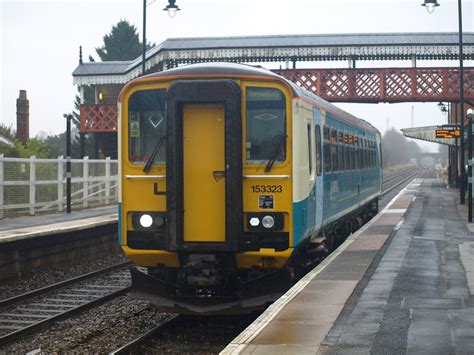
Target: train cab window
(327,151)
(266,125)
(146,126)
(310,150)
(335,165)
(317,143)
(340,139)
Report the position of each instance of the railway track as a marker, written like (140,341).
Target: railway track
(37,309)
(135,343)
(394,180)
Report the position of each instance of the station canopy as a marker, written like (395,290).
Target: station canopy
(429,134)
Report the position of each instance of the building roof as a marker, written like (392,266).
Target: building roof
(369,46)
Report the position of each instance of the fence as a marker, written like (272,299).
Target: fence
(32,186)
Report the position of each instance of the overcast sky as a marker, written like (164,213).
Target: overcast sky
(39,42)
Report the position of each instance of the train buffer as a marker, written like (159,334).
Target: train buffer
(403,283)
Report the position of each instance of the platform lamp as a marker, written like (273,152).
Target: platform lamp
(171,8)
(470,115)
(430,6)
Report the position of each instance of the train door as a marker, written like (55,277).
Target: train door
(203,173)
(319,162)
(204,165)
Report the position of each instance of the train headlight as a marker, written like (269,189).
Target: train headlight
(268,222)
(146,220)
(254,221)
(265,222)
(149,221)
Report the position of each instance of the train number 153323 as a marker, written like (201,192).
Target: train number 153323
(267,188)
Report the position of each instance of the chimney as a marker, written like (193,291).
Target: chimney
(22,117)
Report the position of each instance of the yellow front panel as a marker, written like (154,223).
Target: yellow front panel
(204,166)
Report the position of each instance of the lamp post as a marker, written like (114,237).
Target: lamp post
(430,7)
(470,113)
(171,8)
(68,118)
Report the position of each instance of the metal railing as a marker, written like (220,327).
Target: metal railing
(29,186)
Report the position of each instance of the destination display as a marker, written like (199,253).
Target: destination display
(448,131)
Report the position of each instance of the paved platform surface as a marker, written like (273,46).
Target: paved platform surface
(36,226)
(404,283)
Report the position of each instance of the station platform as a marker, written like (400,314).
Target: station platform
(403,283)
(36,226)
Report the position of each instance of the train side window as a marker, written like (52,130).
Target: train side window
(356,152)
(364,154)
(340,138)
(310,150)
(347,160)
(372,154)
(335,165)
(317,143)
(327,151)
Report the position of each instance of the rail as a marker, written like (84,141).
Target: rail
(33,310)
(134,343)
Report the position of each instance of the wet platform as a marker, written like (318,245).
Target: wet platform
(403,283)
(36,226)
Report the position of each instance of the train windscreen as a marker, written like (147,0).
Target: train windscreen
(146,126)
(266,122)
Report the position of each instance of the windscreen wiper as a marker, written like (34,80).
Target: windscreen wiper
(271,161)
(150,160)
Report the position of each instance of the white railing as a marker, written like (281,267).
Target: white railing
(31,186)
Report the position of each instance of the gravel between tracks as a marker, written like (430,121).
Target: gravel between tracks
(99,330)
(47,276)
(197,335)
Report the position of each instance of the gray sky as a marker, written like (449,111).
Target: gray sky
(39,42)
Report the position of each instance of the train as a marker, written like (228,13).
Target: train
(233,182)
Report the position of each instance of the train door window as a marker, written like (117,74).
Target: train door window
(347,159)
(317,143)
(310,150)
(327,151)
(266,125)
(340,139)
(335,166)
(351,144)
(146,126)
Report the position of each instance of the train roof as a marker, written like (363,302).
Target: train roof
(244,70)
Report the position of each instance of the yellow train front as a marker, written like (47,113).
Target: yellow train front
(208,186)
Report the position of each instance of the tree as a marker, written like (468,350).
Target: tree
(122,43)
(33,146)
(396,149)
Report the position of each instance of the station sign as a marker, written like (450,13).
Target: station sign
(448,131)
